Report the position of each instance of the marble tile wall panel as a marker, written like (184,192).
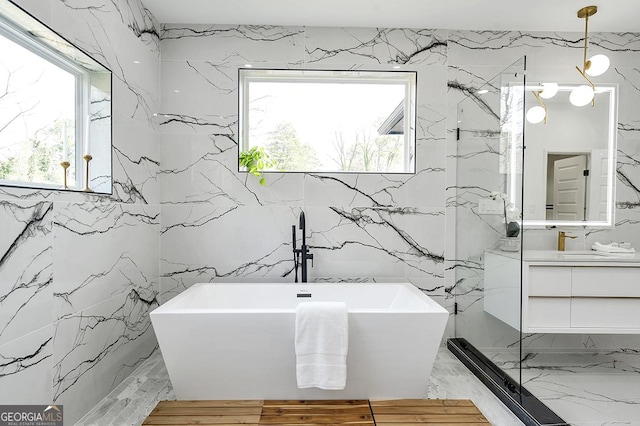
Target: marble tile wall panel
(236,43)
(376,242)
(26,272)
(135,162)
(203,169)
(373,46)
(26,368)
(95,349)
(102,250)
(89,26)
(199,96)
(541,48)
(203,243)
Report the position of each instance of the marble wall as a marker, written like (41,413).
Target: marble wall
(79,273)
(221,225)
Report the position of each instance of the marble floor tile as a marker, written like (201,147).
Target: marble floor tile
(584,388)
(132,401)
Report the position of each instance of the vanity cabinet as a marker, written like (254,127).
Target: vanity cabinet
(561,294)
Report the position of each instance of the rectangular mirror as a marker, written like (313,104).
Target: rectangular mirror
(570,159)
(329,121)
(55,109)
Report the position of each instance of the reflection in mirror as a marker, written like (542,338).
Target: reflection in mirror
(330,121)
(570,161)
(55,109)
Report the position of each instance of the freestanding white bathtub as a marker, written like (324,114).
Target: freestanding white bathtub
(236,341)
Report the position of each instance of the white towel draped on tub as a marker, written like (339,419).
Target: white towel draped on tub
(322,340)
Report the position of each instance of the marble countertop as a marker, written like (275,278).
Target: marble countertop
(569,256)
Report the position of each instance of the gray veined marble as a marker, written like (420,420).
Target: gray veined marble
(26,267)
(585,388)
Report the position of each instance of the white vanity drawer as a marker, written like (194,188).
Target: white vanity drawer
(549,281)
(549,312)
(596,312)
(606,282)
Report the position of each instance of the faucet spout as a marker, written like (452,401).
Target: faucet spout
(562,237)
(303,226)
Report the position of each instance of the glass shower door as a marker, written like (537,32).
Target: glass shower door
(488,222)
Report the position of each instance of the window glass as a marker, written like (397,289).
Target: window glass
(37,117)
(330,121)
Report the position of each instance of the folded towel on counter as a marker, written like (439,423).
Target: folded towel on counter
(613,248)
(322,341)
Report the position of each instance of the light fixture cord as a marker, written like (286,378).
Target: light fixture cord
(586,42)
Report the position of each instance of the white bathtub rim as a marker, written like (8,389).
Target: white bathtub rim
(171,306)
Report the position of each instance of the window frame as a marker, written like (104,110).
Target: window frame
(248,75)
(82,96)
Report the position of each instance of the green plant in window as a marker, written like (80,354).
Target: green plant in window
(255,160)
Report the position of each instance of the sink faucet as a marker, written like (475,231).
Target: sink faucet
(562,236)
(303,251)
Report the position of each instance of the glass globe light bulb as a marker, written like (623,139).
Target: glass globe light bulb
(581,95)
(599,64)
(549,90)
(536,114)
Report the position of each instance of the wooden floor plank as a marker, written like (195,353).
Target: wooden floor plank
(201,420)
(354,423)
(406,412)
(195,422)
(212,403)
(206,411)
(313,419)
(317,410)
(286,403)
(420,410)
(422,403)
(429,418)
(439,424)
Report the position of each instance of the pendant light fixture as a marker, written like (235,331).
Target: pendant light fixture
(594,66)
(537,113)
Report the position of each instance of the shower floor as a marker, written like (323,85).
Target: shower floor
(582,388)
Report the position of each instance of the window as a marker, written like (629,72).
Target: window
(330,121)
(47,116)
